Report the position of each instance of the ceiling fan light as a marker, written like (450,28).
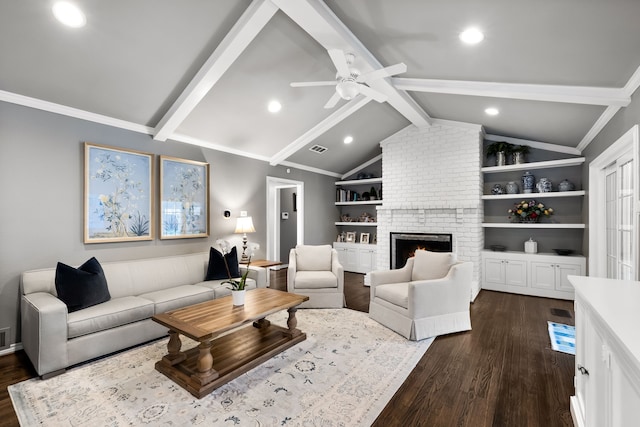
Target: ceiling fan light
(348,89)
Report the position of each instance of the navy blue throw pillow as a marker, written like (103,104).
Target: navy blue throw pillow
(216,269)
(81,287)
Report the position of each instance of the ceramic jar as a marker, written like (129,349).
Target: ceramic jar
(501,158)
(531,246)
(528,181)
(544,185)
(566,185)
(512,188)
(497,189)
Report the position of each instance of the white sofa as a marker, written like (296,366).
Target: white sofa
(55,339)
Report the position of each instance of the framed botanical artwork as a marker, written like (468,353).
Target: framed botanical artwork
(118,194)
(184,198)
(351,236)
(364,238)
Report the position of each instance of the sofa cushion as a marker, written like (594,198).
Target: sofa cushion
(217,268)
(429,265)
(313,258)
(178,297)
(315,280)
(395,293)
(81,287)
(110,314)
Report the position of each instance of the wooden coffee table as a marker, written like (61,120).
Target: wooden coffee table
(250,339)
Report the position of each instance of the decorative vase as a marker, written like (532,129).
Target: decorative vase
(497,189)
(544,185)
(566,185)
(528,181)
(238,297)
(501,158)
(518,158)
(512,187)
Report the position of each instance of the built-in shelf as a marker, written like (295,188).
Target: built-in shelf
(361,202)
(358,224)
(535,165)
(529,225)
(360,181)
(534,195)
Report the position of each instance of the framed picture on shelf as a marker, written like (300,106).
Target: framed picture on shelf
(184,198)
(118,194)
(351,236)
(364,238)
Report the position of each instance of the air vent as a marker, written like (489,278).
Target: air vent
(318,149)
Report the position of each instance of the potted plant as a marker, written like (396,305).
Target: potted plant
(519,152)
(237,286)
(500,149)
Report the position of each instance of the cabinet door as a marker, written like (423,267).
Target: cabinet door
(493,270)
(564,270)
(580,378)
(515,273)
(596,390)
(625,395)
(352,260)
(342,256)
(543,275)
(366,258)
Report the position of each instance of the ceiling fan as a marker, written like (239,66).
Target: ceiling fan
(349,82)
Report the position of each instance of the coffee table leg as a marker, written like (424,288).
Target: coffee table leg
(261,323)
(204,364)
(175,356)
(292,322)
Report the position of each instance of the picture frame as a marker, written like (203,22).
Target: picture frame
(351,236)
(184,198)
(364,238)
(118,194)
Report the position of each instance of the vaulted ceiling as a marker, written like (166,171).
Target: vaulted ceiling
(202,72)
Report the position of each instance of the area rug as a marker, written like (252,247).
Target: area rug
(342,375)
(563,337)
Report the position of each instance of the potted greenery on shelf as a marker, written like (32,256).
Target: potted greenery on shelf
(499,149)
(519,152)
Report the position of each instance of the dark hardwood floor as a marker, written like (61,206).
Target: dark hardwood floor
(503,373)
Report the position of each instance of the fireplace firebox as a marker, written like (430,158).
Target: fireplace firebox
(404,245)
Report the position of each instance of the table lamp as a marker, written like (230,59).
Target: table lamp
(244,225)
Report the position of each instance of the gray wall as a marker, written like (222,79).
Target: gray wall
(288,227)
(41,220)
(624,120)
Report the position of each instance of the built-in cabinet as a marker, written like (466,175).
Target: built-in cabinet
(542,275)
(607,369)
(356,201)
(356,257)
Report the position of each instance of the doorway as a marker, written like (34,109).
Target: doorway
(277,189)
(613,210)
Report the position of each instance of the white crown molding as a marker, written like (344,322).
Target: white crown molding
(334,118)
(456,124)
(597,127)
(532,92)
(207,144)
(254,19)
(534,144)
(362,166)
(76,113)
(633,83)
(395,135)
(311,169)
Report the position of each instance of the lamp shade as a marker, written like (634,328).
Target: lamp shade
(244,224)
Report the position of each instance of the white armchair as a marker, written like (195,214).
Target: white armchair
(315,271)
(427,297)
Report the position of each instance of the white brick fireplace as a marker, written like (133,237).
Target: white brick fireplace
(432,184)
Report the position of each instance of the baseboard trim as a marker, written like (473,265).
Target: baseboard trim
(12,349)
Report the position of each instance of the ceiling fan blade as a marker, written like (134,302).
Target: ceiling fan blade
(332,101)
(305,84)
(367,91)
(340,61)
(391,70)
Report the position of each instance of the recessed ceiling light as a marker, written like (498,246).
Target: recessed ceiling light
(274,106)
(471,36)
(492,111)
(348,139)
(69,14)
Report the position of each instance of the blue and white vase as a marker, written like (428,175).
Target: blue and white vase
(528,182)
(512,188)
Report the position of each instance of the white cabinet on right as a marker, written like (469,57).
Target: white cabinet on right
(607,370)
(543,275)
